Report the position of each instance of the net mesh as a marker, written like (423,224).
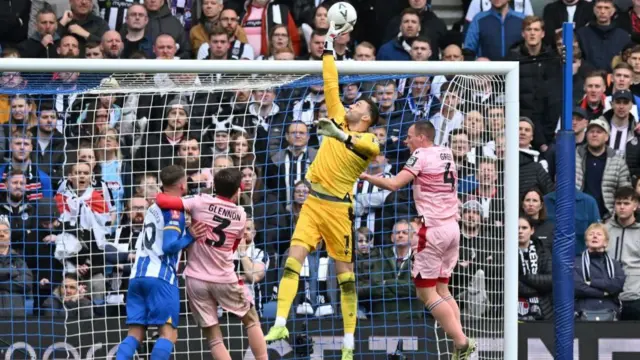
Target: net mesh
(84,219)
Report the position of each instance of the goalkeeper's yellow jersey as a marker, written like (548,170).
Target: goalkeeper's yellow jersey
(337,166)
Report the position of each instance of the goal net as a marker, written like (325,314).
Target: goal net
(82,153)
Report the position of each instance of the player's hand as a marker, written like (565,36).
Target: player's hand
(364,176)
(334,32)
(327,127)
(198,230)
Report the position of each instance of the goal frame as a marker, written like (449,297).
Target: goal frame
(291,67)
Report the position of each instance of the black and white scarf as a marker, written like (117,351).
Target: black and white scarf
(586,266)
(529,308)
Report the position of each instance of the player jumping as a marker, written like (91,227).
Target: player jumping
(210,272)
(153,298)
(327,214)
(435,195)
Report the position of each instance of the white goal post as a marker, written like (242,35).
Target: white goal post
(510,71)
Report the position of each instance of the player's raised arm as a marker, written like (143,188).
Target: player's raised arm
(335,109)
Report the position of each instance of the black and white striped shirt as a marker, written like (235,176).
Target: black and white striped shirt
(295,169)
(114,12)
(369,198)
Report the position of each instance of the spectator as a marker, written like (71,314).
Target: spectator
(42,43)
(265,119)
(622,78)
(208,19)
(448,118)
(602,39)
(93,50)
(279,40)
(251,265)
(587,213)
(162,22)
(534,207)
(239,46)
(487,192)
(112,45)
(369,199)
(433,28)
(48,143)
(241,148)
(82,23)
(364,51)
(15,276)
(579,124)
(532,167)
(68,301)
(367,268)
(598,279)
(116,169)
(31,222)
(14,17)
(114,12)
(157,150)
(219,45)
(599,171)
(539,71)
(86,220)
(535,283)
(38,182)
(399,47)
(147,187)
(482,37)
(396,297)
(477,6)
(460,149)
(316,47)
(58,6)
(623,231)
(263,15)
(318,21)
(579,12)
(289,166)
(69,47)
(133,34)
(622,124)
(594,97)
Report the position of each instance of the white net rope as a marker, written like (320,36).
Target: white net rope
(108,143)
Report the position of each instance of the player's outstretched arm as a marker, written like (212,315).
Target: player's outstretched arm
(394,183)
(168,202)
(335,109)
(365,145)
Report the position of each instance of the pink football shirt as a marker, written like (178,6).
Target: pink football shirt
(435,186)
(211,258)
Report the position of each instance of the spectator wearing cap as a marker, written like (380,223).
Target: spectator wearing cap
(602,39)
(533,168)
(540,70)
(44,41)
(15,276)
(579,125)
(82,23)
(399,47)
(476,262)
(599,171)
(492,33)
(433,28)
(579,12)
(158,150)
(621,122)
(162,21)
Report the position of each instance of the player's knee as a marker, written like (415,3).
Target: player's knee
(292,268)
(347,283)
(216,341)
(250,319)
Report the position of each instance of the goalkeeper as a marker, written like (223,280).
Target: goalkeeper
(327,214)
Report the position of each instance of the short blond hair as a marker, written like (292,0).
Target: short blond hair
(597,226)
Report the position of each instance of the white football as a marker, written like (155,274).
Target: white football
(341,13)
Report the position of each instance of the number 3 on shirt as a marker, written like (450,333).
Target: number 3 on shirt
(219,232)
(448,176)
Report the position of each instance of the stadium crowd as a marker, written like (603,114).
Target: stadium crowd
(79,170)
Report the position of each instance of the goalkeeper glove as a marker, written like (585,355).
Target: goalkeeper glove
(327,127)
(333,33)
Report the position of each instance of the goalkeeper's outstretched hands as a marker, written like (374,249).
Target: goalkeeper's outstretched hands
(334,32)
(328,127)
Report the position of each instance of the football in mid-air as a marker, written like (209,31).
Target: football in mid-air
(342,13)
